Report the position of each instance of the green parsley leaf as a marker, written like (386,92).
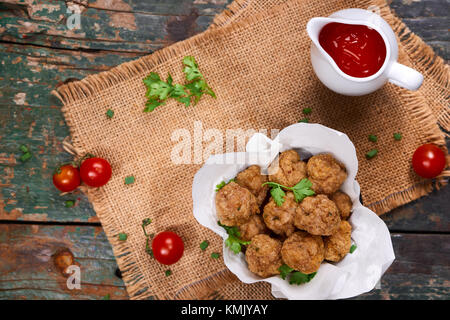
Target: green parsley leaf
(110,113)
(278,195)
(69,203)
(152,104)
(197,84)
(233,241)
(397,136)
(372,153)
(352,248)
(302,190)
(24,148)
(158,90)
(299,278)
(168,272)
(223,184)
(373,138)
(25,157)
(129,180)
(123,236)
(204,245)
(215,255)
(307,111)
(285,270)
(107,297)
(304,120)
(220,185)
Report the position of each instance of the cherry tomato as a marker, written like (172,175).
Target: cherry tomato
(428,161)
(95,172)
(67,178)
(167,247)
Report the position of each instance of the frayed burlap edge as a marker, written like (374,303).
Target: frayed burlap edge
(74,91)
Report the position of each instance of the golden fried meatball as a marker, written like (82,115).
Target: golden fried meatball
(263,255)
(280,219)
(252,179)
(317,215)
(343,203)
(235,205)
(303,252)
(255,225)
(326,173)
(338,244)
(290,169)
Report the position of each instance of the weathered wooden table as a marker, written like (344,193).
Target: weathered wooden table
(39,52)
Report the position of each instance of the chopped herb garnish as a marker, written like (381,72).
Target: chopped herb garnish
(220,185)
(299,278)
(204,245)
(158,91)
(223,184)
(110,113)
(123,236)
(304,120)
(372,153)
(129,180)
(397,136)
(24,148)
(295,277)
(107,297)
(25,157)
(215,255)
(69,203)
(233,241)
(307,111)
(278,195)
(285,270)
(373,138)
(301,190)
(168,272)
(352,248)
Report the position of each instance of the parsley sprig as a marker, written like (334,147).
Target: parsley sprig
(223,184)
(295,277)
(233,241)
(158,90)
(301,190)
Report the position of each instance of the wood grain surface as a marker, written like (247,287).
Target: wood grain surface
(38,52)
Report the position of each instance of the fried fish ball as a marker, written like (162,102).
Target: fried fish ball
(303,252)
(263,255)
(326,173)
(317,215)
(280,219)
(252,179)
(235,205)
(343,203)
(252,227)
(338,244)
(290,169)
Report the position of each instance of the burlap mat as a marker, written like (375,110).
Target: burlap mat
(256,58)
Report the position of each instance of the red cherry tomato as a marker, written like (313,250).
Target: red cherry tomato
(428,161)
(67,178)
(95,172)
(167,247)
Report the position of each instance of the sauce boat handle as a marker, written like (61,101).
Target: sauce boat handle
(404,76)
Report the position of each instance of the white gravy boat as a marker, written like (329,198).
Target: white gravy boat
(335,79)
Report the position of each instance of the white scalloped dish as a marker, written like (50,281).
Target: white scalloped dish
(358,272)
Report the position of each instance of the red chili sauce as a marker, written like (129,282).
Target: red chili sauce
(358,50)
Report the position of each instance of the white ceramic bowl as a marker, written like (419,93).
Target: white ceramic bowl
(358,272)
